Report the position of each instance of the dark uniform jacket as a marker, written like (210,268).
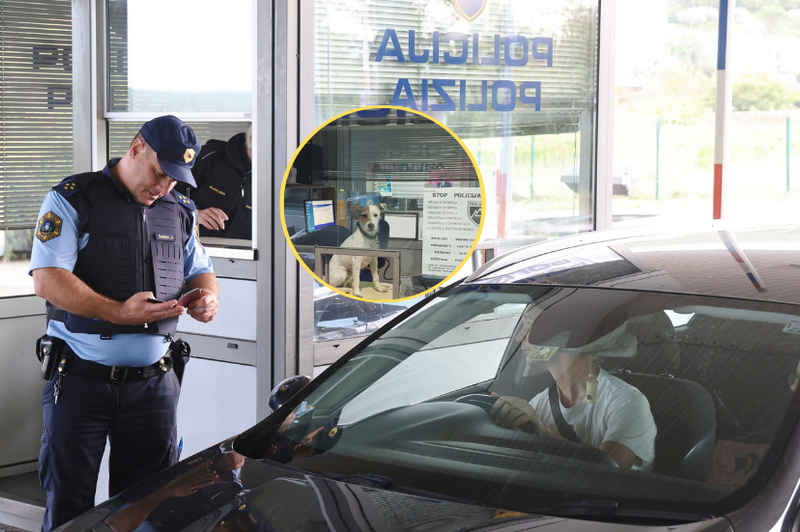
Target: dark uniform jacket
(223,175)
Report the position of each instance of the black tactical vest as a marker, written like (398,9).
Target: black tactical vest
(132,248)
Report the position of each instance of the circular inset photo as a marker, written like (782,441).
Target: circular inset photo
(382,203)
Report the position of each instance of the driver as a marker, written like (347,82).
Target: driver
(615,416)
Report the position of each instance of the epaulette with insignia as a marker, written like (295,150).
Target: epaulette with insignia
(183,200)
(67,187)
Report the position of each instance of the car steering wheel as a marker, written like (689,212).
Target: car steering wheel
(486,401)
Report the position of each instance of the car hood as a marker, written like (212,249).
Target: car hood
(268,496)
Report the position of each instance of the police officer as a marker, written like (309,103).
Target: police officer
(107,244)
(224,187)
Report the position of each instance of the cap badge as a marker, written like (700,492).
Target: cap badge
(189,155)
(332,432)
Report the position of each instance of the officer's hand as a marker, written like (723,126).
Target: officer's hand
(513,412)
(138,310)
(212,218)
(204,308)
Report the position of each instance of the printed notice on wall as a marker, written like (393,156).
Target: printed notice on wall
(450,223)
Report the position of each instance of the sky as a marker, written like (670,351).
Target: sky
(190,45)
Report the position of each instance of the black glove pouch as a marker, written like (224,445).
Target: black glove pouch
(47,351)
(180,351)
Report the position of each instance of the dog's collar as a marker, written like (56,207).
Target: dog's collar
(371,237)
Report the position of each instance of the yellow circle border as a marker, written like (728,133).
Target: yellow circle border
(356,110)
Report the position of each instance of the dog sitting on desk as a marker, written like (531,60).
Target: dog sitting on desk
(344,270)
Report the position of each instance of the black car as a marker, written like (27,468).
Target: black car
(660,370)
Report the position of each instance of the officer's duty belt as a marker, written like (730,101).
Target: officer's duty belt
(116,374)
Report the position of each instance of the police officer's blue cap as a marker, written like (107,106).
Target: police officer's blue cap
(175,145)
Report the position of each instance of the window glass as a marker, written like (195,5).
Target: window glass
(15,260)
(665,78)
(764,167)
(179,55)
(700,400)
(664,121)
(337,316)
(120,134)
(514,79)
(36,137)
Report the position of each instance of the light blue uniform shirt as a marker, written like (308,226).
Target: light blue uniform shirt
(62,252)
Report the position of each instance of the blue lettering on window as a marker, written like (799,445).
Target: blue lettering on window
(547,55)
(449,58)
(404,86)
(495,59)
(510,101)
(396,51)
(373,113)
(525,98)
(483,105)
(439,85)
(412,52)
(512,61)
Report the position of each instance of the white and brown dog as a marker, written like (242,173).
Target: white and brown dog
(345,270)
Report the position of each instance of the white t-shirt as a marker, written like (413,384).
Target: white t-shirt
(621,414)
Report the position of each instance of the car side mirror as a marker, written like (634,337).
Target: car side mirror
(286,389)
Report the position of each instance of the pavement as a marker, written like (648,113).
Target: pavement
(7,528)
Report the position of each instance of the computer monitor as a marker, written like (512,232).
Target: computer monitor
(319,214)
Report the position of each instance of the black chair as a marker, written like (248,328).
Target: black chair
(332,236)
(685,417)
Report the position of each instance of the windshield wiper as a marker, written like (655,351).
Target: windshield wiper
(611,510)
(385,483)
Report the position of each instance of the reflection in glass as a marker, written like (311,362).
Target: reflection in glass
(224,196)
(415,405)
(534,146)
(337,316)
(174,55)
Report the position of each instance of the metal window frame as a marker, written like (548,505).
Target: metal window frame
(604,144)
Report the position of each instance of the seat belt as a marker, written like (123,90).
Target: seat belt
(563,427)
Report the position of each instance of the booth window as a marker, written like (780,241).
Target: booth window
(120,134)
(35,124)
(521,83)
(199,69)
(197,63)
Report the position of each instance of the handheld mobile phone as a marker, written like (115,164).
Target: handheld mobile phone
(153,300)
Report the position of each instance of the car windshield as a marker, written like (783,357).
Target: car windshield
(642,400)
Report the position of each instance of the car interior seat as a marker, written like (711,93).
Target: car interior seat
(657,351)
(683,410)
(744,363)
(685,417)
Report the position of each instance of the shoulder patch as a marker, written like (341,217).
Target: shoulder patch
(67,187)
(183,200)
(49,227)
